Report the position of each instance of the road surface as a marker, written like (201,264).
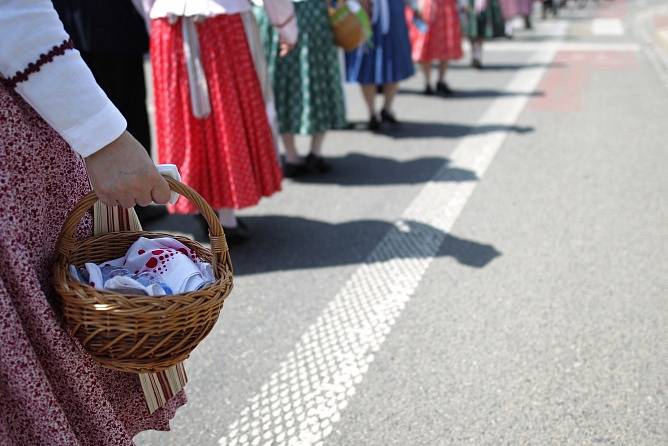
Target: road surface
(493,273)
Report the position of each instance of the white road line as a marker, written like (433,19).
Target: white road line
(565,46)
(303,399)
(607,27)
(662,34)
(642,25)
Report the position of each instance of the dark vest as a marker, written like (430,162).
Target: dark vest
(103,26)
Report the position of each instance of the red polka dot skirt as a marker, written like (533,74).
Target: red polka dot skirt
(443,39)
(228,157)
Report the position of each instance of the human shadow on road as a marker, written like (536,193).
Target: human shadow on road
(533,37)
(508,66)
(412,129)
(356,169)
(284,243)
(482,93)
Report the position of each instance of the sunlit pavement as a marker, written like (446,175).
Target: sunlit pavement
(493,272)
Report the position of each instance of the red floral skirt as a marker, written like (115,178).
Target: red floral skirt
(52,392)
(228,157)
(443,39)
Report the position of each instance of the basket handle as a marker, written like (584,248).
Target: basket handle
(67,240)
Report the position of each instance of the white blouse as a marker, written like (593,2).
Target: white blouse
(187,8)
(279,11)
(63,91)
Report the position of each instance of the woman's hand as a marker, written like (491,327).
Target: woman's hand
(287,34)
(123,174)
(284,47)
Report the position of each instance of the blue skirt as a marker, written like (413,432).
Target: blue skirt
(387,58)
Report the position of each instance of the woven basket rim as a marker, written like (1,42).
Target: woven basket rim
(62,263)
(134,332)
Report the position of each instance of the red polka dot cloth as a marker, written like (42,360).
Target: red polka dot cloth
(443,39)
(157,267)
(52,392)
(228,157)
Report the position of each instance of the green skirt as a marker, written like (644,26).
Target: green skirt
(487,24)
(307,82)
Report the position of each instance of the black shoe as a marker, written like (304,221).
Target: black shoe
(477,64)
(204,226)
(428,91)
(148,214)
(388,116)
(317,164)
(294,170)
(379,89)
(373,124)
(238,234)
(527,22)
(444,89)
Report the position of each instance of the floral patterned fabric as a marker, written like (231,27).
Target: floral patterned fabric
(443,39)
(228,157)
(487,24)
(52,393)
(386,58)
(515,8)
(307,82)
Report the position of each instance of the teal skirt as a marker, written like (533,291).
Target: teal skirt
(307,82)
(487,24)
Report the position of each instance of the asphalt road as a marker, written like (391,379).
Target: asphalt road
(494,272)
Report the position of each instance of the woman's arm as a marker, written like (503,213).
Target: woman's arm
(63,91)
(282,15)
(37,61)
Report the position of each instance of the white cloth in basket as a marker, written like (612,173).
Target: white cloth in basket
(155,267)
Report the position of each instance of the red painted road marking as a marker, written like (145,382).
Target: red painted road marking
(661,21)
(615,9)
(564,84)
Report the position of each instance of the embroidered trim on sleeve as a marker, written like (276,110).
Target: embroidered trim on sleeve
(34,67)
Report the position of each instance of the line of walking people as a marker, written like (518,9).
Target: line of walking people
(228,80)
(234,80)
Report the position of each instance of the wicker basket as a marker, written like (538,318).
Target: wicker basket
(138,334)
(346,27)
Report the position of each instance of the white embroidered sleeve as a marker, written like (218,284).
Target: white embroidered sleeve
(62,89)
